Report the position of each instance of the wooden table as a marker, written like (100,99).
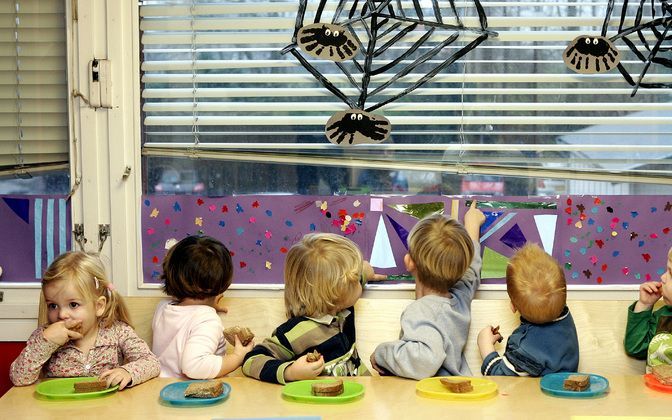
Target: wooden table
(384,398)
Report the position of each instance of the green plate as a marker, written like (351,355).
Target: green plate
(300,391)
(64,389)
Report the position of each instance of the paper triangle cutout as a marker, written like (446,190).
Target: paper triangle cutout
(381,253)
(514,238)
(546,227)
(494,264)
(490,217)
(401,231)
(20,206)
(497,226)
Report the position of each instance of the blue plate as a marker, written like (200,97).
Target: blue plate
(174,394)
(552,384)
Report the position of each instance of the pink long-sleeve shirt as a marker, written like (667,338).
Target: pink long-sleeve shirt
(116,346)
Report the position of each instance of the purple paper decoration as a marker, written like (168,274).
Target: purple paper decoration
(33,231)
(490,217)
(598,240)
(402,233)
(626,243)
(514,237)
(20,207)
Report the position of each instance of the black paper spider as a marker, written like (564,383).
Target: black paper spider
(591,55)
(376,28)
(358,126)
(324,40)
(653,20)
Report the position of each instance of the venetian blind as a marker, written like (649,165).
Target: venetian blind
(33,85)
(214,79)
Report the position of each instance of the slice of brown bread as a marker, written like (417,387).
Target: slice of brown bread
(663,373)
(457,385)
(204,389)
(576,383)
(90,386)
(244,334)
(327,388)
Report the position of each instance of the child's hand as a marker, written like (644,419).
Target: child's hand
(375,366)
(239,350)
(487,338)
(303,369)
(649,293)
(370,275)
(219,305)
(63,331)
(116,376)
(473,219)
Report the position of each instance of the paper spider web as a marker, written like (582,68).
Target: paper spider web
(376,46)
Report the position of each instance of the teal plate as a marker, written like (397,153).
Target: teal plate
(300,391)
(64,389)
(553,384)
(174,394)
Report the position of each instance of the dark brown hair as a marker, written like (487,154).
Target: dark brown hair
(197,267)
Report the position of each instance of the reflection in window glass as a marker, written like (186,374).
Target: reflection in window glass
(57,183)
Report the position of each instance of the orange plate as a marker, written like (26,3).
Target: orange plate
(653,383)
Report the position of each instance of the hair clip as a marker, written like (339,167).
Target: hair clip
(111,287)
(95,279)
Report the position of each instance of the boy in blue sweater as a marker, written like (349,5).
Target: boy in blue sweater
(546,340)
(444,257)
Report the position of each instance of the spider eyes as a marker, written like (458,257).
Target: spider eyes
(356,117)
(336,33)
(594,41)
(328,32)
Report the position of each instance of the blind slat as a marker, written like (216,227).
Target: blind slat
(33,83)
(405,120)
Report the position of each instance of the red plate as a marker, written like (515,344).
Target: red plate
(654,383)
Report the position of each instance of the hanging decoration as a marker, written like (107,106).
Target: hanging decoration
(363,40)
(647,38)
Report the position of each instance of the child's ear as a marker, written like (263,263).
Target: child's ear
(409,263)
(513,307)
(101,303)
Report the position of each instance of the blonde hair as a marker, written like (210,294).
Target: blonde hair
(441,250)
(536,284)
(320,270)
(87,272)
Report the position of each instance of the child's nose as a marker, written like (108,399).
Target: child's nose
(63,314)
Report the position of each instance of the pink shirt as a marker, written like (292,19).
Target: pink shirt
(116,346)
(188,340)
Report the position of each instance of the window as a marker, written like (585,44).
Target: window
(219,99)
(33,98)
(34,154)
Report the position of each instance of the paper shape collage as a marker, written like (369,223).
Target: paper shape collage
(608,240)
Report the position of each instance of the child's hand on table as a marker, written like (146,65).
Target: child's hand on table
(63,331)
(117,376)
(303,369)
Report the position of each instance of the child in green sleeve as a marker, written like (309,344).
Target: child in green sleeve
(648,334)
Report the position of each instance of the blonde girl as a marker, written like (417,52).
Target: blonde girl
(324,276)
(85,329)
